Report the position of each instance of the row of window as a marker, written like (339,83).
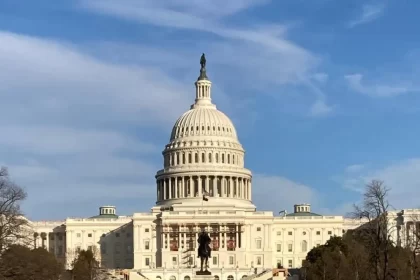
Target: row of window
(177,158)
(117,234)
(181,131)
(215,277)
(303,232)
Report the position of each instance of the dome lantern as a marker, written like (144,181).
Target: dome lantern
(202,87)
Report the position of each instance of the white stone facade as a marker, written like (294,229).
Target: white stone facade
(204,158)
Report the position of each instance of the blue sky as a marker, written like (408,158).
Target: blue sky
(324,95)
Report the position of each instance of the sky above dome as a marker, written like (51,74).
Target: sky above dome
(324,95)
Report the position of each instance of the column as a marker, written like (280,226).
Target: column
(191,185)
(215,186)
(170,188)
(183,187)
(164,189)
(135,233)
(250,190)
(230,187)
(157,190)
(208,184)
(237,236)
(139,238)
(163,237)
(83,239)
(200,187)
(176,188)
(237,188)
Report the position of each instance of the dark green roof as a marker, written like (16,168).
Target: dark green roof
(105,216)
(302,214)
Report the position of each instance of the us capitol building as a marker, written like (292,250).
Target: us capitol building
(203,160)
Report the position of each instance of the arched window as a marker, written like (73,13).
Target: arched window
(244,276)
(172,277)
(228,159)
(189,158)
(210,157)
(187,278)
(223,158)
(203,157)
(196,157)
(158,277)
(230,277)
(183,158)
(217,158)
(304,246)
(233,159)
(216,277)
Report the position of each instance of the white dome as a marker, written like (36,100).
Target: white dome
(204,158)
(203,122)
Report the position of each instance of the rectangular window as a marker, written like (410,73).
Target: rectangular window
(214,260)
(278,247)
(79,235)
(89,234)
(146,245)
(231,260)
(52,236)
(89,248)
(258,229)
(329,232)
(258,243)
(290,247)
(290,263)
(128,234)
(259,261)
(279,264)
(60,250)
(129,249)
(117,234)
(174,261)
(60,237)
(290,233)
(279,233)
(78,249)
(147,261)
(318,233)
(146,230)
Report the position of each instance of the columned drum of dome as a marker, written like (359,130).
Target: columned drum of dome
(204,155)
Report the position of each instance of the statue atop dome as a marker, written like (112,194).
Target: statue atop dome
(203,74)
(203,61)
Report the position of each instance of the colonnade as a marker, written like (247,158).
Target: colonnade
(195,186)
(184,237)
(180,158)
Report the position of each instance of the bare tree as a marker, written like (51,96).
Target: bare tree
(13,225)
(376,232)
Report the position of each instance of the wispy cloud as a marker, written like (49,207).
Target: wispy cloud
(261,54)
(401,176)
(381,89)
(369,13)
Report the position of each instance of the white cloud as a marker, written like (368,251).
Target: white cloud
(276,193)
(320,77)
(62,82)
(320,108)
(369,13)
(381,89)
(354,168)
(402,177)
(259,55)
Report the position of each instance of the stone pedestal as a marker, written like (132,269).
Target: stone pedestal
(203,275)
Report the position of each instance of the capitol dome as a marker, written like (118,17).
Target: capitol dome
(204,157)
(203,122)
